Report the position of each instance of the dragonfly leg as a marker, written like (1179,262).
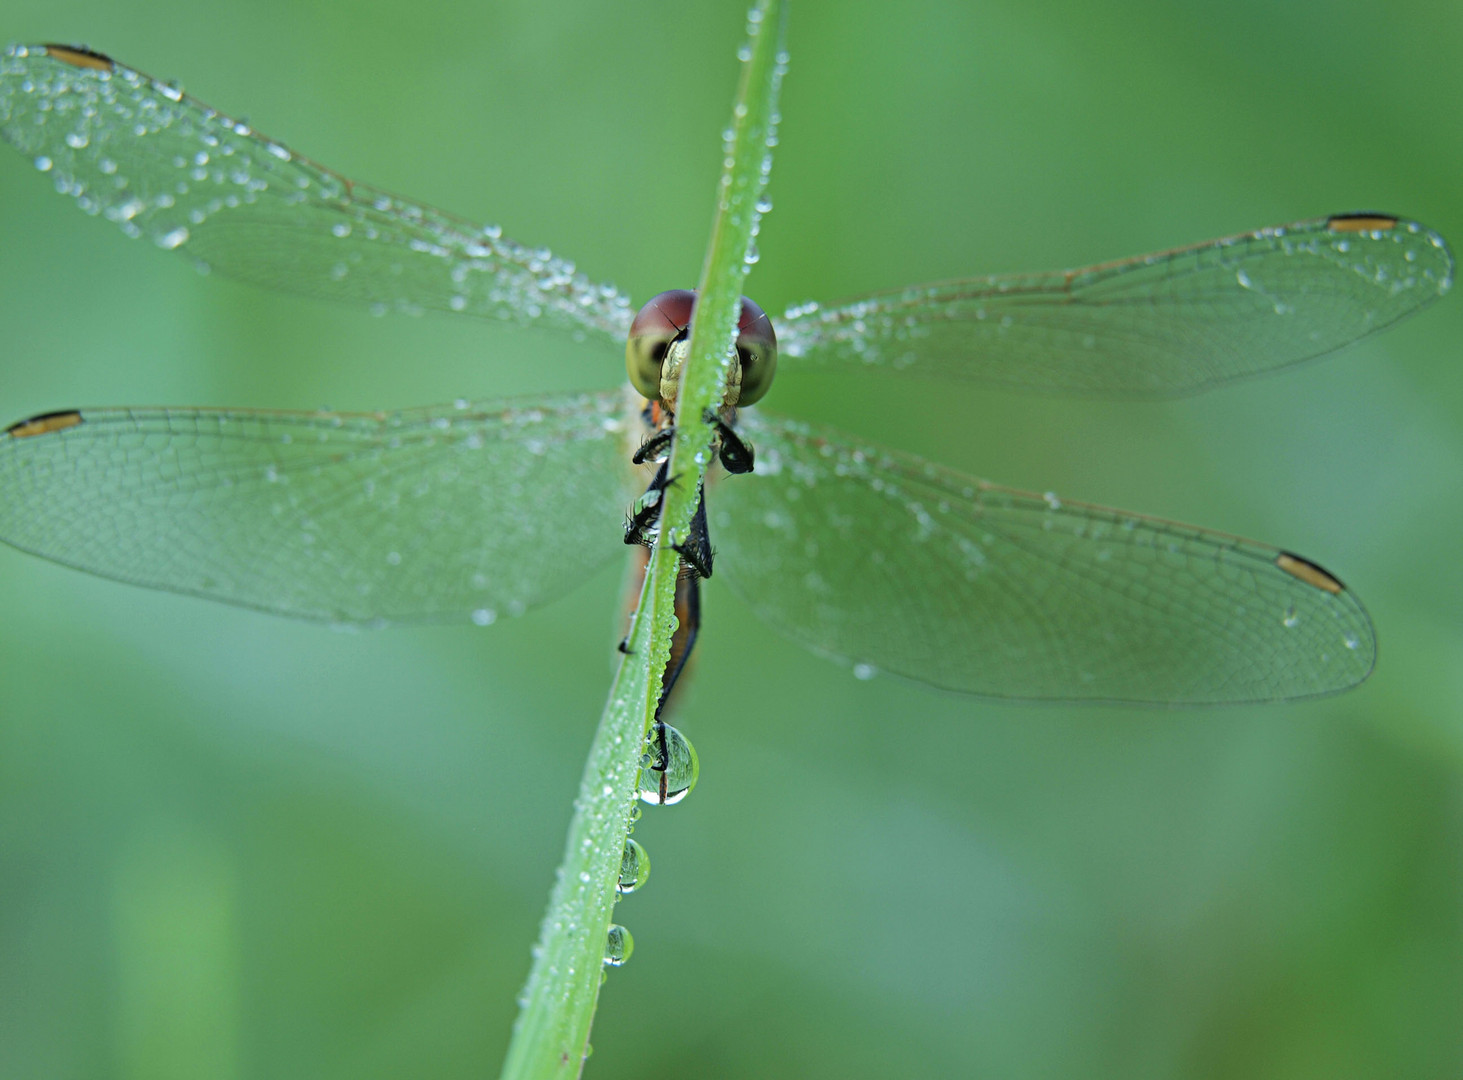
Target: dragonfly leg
(646,511)
(736,453)
(653,446)
(644,519)
(696,551)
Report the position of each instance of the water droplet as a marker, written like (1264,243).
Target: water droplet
(752,254)
(619,944)
(484,616)
(764,205)
(864,672)
(668,768)
(173,239)
(634,867)
(43,163)
(1351,641)
(1291,618)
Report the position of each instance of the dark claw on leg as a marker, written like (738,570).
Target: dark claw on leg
(736,455)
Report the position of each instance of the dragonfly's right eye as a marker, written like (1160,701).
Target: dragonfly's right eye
(664,320)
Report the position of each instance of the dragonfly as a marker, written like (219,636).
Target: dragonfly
(871,556)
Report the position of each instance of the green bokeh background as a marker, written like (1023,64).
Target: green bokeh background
(236,847)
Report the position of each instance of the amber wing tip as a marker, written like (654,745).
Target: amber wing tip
(80,56)
(43,424)
(1362,221)
(1309,572)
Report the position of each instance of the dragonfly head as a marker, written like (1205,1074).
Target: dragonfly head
(660,340)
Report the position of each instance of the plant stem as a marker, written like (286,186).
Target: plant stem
(551,1035)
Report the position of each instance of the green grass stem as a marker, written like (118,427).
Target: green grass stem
(551,1035)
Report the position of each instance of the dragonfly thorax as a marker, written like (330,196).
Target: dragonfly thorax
(660,341)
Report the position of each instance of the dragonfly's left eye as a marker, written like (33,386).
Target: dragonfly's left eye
(756,352)
(663,321)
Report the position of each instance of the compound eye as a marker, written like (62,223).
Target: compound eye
(757,352)
(661,322)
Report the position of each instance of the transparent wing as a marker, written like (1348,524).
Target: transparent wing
(883,558)
(1152,326)
(164,166)
(463,512)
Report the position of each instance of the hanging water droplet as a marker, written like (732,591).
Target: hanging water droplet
(1291,618)
(752,254)
(634,867)
(764,205)
(619,944)
(668,768)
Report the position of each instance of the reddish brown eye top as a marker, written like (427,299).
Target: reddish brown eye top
(666,319)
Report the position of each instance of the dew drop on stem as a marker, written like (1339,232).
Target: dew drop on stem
(634,867)
(668,768)
(619,944)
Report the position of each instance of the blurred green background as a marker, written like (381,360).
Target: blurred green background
(236,847)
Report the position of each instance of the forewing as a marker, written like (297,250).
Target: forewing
(1153,326)
(882,558)
(167,167)
(456,513)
